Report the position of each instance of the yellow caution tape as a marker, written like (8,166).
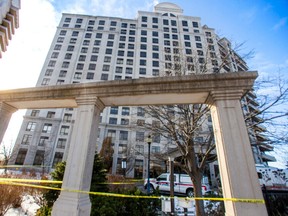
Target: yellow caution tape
(29,180)
(261,201)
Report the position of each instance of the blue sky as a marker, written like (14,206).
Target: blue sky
(262,25)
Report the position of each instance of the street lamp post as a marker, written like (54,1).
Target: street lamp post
(149,140)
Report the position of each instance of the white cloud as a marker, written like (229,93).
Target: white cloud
(282,22)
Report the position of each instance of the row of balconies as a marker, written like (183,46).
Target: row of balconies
(8,25)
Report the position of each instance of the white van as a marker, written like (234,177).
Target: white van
(182,184)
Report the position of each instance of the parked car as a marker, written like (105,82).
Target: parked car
(182,184)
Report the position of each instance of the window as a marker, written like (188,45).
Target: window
(125,111)
(123,25)
(92,66)
(142,71)
(94,58)
(111,36)
(165,29)
(155,20)
(155,55)
(82,58)
(35,112)
(113,23)
(122,38)
(139,149)
(64,130)
(84,50)
(106,68)
(91,22)
(155,72)
(120,53)
(155,149)
(143,46)
(143,54)
(31,126)
(51,63)
(101,22)
(114,110)
(140,136)
(50,114)
(144,19)
(124,121)
(55,55)
(88,35)
(121,45)
(200,52)
(140,122)
(57,158)
(107,59)
(104,76)
(90,76)
(75,33)
(110,43)
(48,72)
(165,22)
(97,42)
(167,36)
(118,70)
(62,73)
(143,39)
(184,23)
(123,135)
(39,157)
(155,40)
(155,48)
(90,28)
(187,44)
(43,141)
(79,20)
(113,121)
(188,51)
(132,32)
(197,38)
(155,63)
(129,70)
(21,156)
(61,143)
(130,54)
(122,149)
(129,62)
(26,139)
(63,32)
(47,128)
(198,45)
(140,111)
(143,32)
(119,61)
(108,51)
(208,34)
(173,23)
(156,138)
(57,47)
(142,62)
(70,48)
(95,50)
(67,117)
(195,24)
(77,75)
(45,81)
(123,31)
(65,64)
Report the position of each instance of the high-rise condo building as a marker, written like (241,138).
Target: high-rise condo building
(98,48)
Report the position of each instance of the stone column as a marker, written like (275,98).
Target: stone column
(237,167)
(6,112)
(79,165)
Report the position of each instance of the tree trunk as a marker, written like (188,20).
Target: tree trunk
(199,204)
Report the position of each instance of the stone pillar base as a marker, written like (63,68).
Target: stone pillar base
(70,205)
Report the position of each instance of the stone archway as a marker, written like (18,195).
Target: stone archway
(221,91)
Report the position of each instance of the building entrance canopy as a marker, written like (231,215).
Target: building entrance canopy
(222,92)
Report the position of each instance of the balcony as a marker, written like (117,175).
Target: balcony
(268,158)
